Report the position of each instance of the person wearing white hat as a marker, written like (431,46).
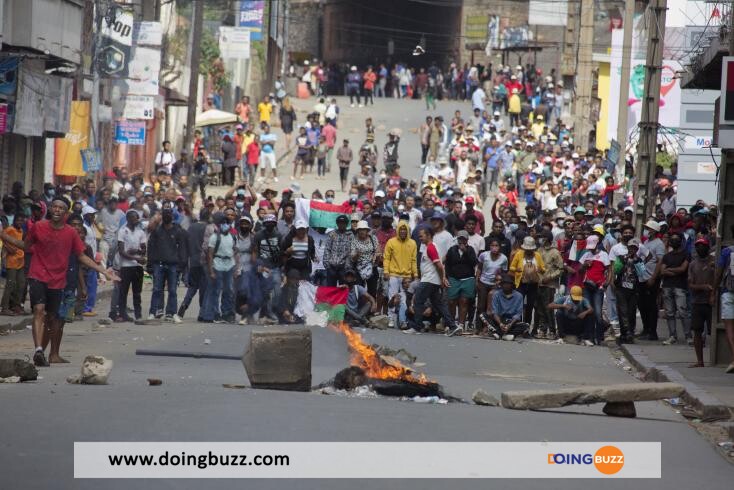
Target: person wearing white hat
(497,121)
(354,81)
(596,268)
(648,293)
(527,266)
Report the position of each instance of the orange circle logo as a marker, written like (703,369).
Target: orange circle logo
(608,460)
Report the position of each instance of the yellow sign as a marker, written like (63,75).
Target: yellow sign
(68,157)
(475,29)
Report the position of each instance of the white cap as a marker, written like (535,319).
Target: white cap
(380,193)
(354,68)
(575,155)
(88,210)
(362,225)
(497,113)
(518,67)
(300,223)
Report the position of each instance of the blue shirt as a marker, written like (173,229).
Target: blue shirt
(494,155)
(268,138)
(506,159)
(508,308)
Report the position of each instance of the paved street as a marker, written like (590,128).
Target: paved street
(192,405)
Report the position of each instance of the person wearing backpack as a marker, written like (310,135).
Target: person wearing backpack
(222,266)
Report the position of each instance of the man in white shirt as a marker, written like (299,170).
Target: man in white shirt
(478,98)
(164,159)
(131,245)
(441,238)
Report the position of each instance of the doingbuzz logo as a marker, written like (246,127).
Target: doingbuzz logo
(607,459)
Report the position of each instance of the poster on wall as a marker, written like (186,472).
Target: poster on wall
(116,40)
(67,155)
(43,103)
(251,16)
(8,76)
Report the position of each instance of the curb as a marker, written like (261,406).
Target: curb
(19,323)
(710,407)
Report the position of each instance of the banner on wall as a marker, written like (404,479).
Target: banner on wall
(67,155)
(116,40)
(251,16)
(130,132)
(43,103)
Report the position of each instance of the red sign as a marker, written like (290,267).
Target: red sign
(3,118)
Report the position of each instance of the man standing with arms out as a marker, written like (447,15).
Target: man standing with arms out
(167,256)
(52,242)
(131,243)
(725,282)
(344,156)
(399,262)
(433,278)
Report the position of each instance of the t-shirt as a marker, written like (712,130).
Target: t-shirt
(132,240)
(224,256)
(253,153)
(490,267)
(15,259)
(577,307)
(598,263)
(355,292)
(269,248)
(111,222)
(268,138)
(673,260)
(51,248)
(265,109)
(429,273)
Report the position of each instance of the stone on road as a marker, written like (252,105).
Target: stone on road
(481,397)
(18,368)
(95,371)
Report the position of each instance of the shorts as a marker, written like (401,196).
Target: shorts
(66,308)
(268,159)
(727,305)
(41,294)
(464,288)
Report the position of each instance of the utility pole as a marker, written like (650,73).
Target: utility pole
(568,57)
(624,89)
(197,23)
(647,147)
(98,16)
(584,76)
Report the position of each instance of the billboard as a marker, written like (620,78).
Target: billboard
(251,16)
(116,40)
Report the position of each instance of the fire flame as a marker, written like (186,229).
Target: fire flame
(364,356)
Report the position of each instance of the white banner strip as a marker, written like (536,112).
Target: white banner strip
(367,460)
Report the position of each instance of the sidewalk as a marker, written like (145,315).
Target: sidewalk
(709,389)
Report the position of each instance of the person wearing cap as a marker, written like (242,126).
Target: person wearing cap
(629,272)
(433,279)
(649,290)
(673,269)
(597,275)
(363,254)
(574,314)
(222,267)
(441,238)
(460,262)
(549,283)
(336,251)
(527,266)
(267,251)
(514,107)
(353,83)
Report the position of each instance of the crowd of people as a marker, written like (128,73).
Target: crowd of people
(556,254)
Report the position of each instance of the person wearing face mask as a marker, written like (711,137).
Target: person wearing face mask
(222,267)
(167,255)
(629,272)
(329,196)
(196,281)
(649,289)
(595,266)
(673,269)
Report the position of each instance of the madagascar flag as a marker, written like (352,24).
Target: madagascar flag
(319,214)
(332,300)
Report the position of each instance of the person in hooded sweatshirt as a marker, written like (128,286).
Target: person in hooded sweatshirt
(399,262)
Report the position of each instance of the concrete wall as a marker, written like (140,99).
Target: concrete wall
(303,29)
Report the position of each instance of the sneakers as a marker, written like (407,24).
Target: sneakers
(39,359)
(177,319)
(89,313)
(588,343)
(457,330)
(729,369)
(243,321)
(411,331)
(220,320)
(508,337)
(670,341)
(361,105)
(151,317)
(275,179)
(391,322)
(351,105)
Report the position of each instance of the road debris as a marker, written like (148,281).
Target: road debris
(154,382)
(95,371)
(24,370)
(481,397)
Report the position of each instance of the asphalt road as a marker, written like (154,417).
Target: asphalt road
(41,420)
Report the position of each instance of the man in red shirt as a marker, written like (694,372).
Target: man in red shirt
(51,241)
(470,211)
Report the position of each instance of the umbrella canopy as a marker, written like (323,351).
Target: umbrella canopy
(214,116)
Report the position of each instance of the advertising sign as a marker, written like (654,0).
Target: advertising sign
(134,107)
(251,16)
(234,42)
(147,33)
(130,132)
(115,44)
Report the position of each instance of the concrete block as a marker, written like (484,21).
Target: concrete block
(279,359)
(481,397)
(584,395)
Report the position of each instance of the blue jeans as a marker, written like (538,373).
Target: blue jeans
(197,283)
(595,331)
(612,305)
(221,286)
(164,275)
(91,281)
